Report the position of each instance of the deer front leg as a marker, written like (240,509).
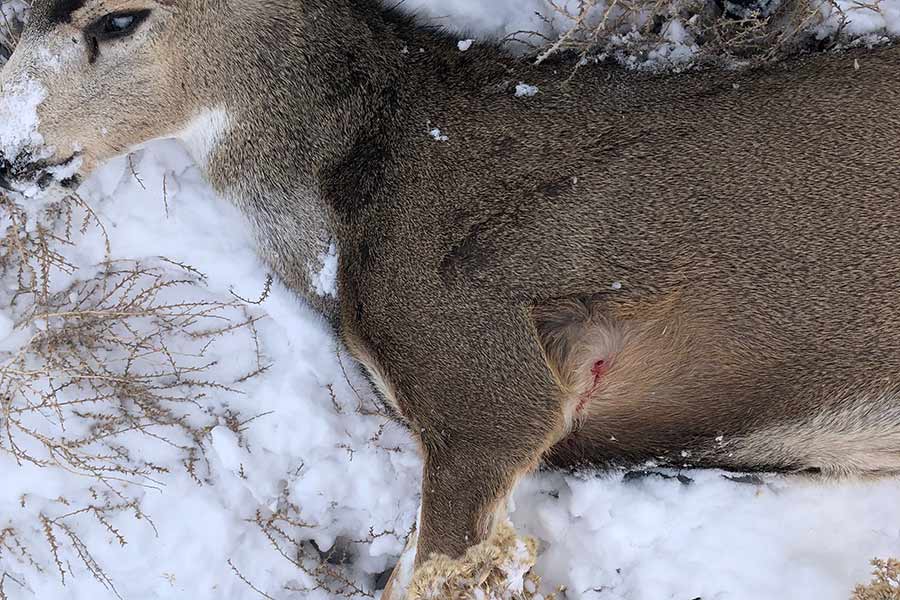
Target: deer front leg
(463,491)
(485,408)
(462,501)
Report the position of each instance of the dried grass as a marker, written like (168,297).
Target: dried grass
(497,569)
(885,584)
(121,351)
(654,34)
(117,358)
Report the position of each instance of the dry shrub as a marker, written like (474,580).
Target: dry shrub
(33,241)
(101,353)
(676,34)
(115,359)
(885,584)
(288,534)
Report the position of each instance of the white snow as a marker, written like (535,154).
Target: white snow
(516,568)
(486,19)
(862,22)
(65,170)
(18,114)
(714,538)
(464,45)
(324,280)
(438,135)
(6,327)
(352,478)
(523,89)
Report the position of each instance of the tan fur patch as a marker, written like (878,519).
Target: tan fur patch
(379,378)
(643,349)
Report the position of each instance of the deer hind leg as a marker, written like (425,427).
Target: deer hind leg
(401,579)
(462,499)
(850,434)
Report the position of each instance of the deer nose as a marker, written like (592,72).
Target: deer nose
(23,173)
(12,173)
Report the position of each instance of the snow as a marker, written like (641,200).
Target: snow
(862,22)
(288,456)
(517,567)
(324,281)
(711,538)
(18,113)
(464,45)
(487,19)
(6,327)
(525,90)
(438,135)
(349,479)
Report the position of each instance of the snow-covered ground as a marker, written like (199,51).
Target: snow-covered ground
(308,450)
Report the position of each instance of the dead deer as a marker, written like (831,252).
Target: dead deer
(700,269)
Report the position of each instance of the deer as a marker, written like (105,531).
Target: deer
(616,267)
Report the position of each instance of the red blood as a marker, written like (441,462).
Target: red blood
(598,370)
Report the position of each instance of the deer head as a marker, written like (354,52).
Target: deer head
(87,81)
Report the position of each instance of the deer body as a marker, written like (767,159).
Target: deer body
(700,269)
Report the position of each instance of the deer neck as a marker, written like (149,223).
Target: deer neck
(281,98)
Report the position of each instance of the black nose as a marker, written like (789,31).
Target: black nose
(72,182)
(23,172)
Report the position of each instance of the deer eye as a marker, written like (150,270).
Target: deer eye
(117,25)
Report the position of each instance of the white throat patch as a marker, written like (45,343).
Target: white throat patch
(204,132)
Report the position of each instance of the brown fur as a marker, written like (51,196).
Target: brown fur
(730,240)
